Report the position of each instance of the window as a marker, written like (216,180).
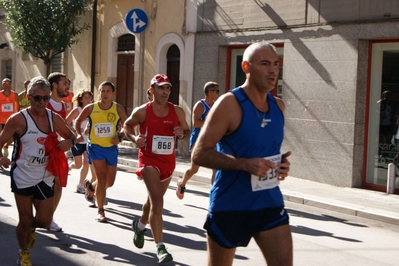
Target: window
(9,69)
(126,42)
(57,64)
(383,111)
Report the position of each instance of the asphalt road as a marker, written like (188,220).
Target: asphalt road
(321,237)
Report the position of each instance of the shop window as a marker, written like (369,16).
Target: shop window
(383,115)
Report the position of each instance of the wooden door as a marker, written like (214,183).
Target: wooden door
(173,70)
(125,82)
(173,75)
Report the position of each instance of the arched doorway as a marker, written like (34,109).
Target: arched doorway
(173,70)
(125,72)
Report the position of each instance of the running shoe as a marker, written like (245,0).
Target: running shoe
(80,189)
(69,154)
(138,238)
(71,164)
(163,255)
(24,258)
(54,227)
(32,239)
(89,193)
(92,204)
(180,190)
(101,216)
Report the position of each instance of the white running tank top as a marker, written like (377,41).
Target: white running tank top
(29,160)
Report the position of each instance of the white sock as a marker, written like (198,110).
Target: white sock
(141,226)
(160,244)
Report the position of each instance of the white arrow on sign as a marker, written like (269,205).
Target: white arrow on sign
(137,22)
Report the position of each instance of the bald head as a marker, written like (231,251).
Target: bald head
(253,48)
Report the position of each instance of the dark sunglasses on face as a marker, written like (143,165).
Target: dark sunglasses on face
(39,98)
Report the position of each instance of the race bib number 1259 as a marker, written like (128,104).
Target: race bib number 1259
(103,130)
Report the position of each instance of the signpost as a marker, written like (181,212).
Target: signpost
(136,20)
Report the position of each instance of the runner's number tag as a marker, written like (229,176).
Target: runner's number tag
(35,161)
(103,130)
(7,107)
(271,179)
(163,144)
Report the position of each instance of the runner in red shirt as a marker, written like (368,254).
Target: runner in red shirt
(160,123)
(59,89)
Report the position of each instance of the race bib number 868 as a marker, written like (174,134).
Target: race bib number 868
(163,144)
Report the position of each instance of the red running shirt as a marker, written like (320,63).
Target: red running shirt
(62,112)
(160,145)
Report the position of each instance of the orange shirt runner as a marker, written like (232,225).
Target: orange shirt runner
(7,106)
(67,100)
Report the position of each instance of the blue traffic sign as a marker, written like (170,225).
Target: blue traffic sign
(136,20)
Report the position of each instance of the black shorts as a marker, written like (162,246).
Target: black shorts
(78,149)
(231,229)
(40,191)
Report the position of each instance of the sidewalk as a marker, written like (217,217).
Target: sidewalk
(369,204)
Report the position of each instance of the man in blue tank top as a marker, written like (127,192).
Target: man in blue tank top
(200,111)
(245,199)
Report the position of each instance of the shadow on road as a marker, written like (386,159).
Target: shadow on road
(304,230)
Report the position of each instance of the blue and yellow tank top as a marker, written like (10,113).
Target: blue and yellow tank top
(104,125)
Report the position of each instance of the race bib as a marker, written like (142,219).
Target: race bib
(163,144)
(271,179)
(103,130)
(7,107)
(35,161)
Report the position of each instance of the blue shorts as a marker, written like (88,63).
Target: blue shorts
(78,149)
(40,191)
(109,154)
(231,229)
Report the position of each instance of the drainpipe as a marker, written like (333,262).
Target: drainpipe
(93,47)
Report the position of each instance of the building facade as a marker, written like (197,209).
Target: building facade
(110,51)
(338,58)
(338,76)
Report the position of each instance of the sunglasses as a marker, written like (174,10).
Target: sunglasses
(217,91)
(39,98)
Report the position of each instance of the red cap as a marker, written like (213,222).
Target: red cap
(160,80)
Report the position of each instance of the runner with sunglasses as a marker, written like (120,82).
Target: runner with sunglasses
(31,182)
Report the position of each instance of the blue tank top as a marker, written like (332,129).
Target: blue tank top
(195,132)
(232,190)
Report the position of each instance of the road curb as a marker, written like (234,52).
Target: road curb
(292,197)
(341,208)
